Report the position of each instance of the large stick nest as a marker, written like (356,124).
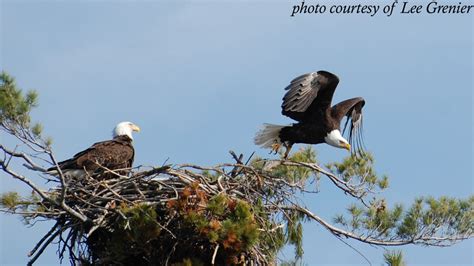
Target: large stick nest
(227,214)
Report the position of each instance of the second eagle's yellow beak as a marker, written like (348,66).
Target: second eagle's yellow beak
(347,146)
(135,128)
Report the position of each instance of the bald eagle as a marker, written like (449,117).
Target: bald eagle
(308,101)
(115,154)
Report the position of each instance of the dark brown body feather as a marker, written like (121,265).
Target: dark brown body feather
(114,154)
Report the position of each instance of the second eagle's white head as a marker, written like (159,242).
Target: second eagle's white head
(335,138)
(125,129)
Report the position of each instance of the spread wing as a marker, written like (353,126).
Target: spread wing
(309,96)
(352,110)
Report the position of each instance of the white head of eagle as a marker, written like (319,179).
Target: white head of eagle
(125,129)
(335,139)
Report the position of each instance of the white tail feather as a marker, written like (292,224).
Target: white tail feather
(268,135)
(68,172)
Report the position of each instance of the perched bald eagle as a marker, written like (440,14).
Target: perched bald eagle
(115,154)
(308,101)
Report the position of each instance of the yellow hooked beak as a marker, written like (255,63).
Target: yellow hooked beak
(135,128)
(347,146)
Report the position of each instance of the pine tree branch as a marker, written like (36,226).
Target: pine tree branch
(419,239)
(344,186)
(46,243)
(48,234)
(25,180)
(30,164)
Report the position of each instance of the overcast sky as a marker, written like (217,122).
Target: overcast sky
(200,77)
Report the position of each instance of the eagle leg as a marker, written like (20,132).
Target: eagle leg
(288,148)
(275,147)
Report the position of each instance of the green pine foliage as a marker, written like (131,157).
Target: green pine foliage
(140,222)
(10,200)
(14,105)
(13,202)
(427,215)
(15,108)
(449,215)
(360,168)
(295,262)
(295,173)
(394,258)
(221,220)
(200,224)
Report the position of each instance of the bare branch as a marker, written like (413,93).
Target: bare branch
(214,255)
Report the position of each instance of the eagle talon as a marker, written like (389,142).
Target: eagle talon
(275,147)
(287,152)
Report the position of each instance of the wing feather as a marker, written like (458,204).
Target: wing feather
(352,110)
(308,94)
(113,154)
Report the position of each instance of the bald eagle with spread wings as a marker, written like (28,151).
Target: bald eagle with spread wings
(308,101)
(115,155)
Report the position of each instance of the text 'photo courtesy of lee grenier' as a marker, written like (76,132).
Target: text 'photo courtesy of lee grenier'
(396,7)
